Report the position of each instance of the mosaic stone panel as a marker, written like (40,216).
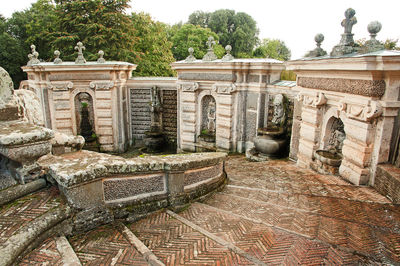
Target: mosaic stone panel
(169,113)
(207,76)
(371,88)
(128,187)
(199,175)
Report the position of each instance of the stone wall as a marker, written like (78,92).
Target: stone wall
(139,106)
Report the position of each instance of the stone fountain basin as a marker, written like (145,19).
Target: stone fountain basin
(329,158)
(271,131)
(269,145)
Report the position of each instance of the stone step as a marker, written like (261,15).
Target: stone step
(67,253)
(18,191)
(30,235)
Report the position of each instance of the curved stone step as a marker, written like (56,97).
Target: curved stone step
(18,191)
(21,240)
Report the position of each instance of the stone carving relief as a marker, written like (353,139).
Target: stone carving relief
(361,112)
(188,86)
(101,85)
(279,117)
(60,86)
(227,88)
(315,100)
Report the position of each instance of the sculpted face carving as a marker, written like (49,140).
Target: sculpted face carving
(279,116)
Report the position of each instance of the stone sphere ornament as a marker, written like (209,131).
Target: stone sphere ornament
(374,27)
(319,38)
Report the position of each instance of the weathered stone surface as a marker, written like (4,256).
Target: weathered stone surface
(6,87)
(207,76)
(29,107)
(372,88)
(79,167)
(20,132)
(15,192)
(64,140)
(203,174)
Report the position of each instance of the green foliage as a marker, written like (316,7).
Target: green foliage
(99,25)
(153,47)
(193,36)
(237,29)
(288,75)
(272,48)
(11,53)
(390,44)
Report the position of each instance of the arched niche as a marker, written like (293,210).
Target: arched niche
(84,115)
(334,134)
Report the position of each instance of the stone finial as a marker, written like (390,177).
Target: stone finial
(57,60)
(80,59)
(33,57)
(101,60)
(6,87)
(228,56)
(190,57)
(373,44)
(318,51)
(349,21)
(210,56)
(346,45)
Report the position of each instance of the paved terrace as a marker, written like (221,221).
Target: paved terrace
(270,213)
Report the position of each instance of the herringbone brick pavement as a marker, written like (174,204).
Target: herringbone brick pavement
(18,213)
(175,243)
(45,254)
(105,246)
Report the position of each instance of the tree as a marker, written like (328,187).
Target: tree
(196,37)
(237,29)
(153,47)
(11,54)
(272,48)
(99,24)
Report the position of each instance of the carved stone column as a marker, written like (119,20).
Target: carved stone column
(310,126)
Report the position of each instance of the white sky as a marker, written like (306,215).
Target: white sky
(296,22)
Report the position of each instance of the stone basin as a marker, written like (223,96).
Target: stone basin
(271,131)
(329,158)
(269,145)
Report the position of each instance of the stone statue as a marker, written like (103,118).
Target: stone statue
(33,57)
(80,59)
(211,118)
(346,45)
(349,21)
(210,56)
(279,116)
(155,108)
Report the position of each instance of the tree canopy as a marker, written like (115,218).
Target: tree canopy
(236,29)
(272,48)
(196,37)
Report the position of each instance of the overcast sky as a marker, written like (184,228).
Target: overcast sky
(295,22)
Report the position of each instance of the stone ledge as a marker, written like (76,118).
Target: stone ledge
(387,182)
(20,133)
(75,168)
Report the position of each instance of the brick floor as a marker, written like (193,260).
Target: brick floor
(45,254)
(274,211)
(18,213)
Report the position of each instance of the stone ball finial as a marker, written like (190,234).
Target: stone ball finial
(57,60)
(228,49)
(191,50)
(101,59)
(319,38)
(191,57)
(228,55)
(374,27)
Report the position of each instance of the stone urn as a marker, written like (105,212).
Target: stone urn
(154,141)
(271,141)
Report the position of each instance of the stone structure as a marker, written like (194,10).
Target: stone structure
(210,56)
(318,51)
(241,89)
(57,86)
(346,45)
(361,91)
(373,44)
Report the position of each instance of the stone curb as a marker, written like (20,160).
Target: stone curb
(18,191)
(145,251)
(67,253)
(17,243)
(217,239)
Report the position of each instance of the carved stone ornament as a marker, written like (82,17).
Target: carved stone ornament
(188,86)
(6,86)
(316,100)
(191,57)
(365,112)
(228,56)
(33,57)
(60,86)
(227,88)
(210,56)
(57,60)
(80,59)
(101,59)
(101,85)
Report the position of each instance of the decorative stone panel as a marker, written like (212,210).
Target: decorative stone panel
(197,176)
(371,88)
(188,86)
(226,88)
(101,85)
(169,113)
(133,187)
(60,86)
(363,112)
(140,112)
(313,100)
